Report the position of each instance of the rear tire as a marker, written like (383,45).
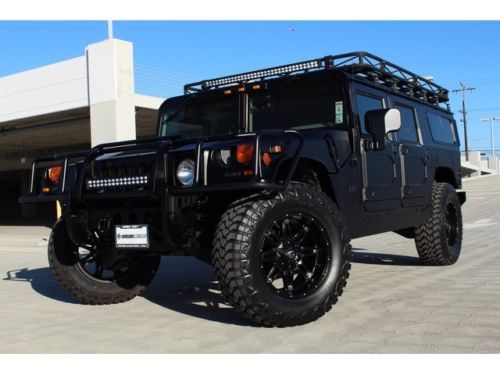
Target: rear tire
(439,240)
(282,261)
(70,271)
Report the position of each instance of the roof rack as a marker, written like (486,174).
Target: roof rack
(362,64)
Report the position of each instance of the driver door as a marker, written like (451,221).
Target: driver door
(381,169)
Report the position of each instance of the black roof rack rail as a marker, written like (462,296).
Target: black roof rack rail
(362,64)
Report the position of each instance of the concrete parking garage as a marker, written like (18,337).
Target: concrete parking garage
(67,106)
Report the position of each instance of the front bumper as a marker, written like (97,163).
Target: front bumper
(159,156)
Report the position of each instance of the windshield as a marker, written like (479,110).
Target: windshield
(202,117)
(300,107)
(292,104)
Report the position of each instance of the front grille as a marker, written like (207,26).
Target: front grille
(120,175)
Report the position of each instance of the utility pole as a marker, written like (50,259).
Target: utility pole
(463,89)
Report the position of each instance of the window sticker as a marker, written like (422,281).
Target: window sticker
(339,112)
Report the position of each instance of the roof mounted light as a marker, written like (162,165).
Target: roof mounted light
(280,70)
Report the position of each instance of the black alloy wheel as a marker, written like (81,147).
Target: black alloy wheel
(282,260)
(294,256)
(93,275)
(451,224)
(439,239)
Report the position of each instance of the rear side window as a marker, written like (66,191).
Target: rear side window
(442,129)
(367,103)
(408,131)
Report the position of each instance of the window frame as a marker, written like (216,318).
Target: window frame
(381,97)
(399,104)
(453,129)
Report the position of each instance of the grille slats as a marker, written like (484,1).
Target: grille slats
(115,175)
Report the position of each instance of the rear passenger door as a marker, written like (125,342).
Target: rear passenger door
(381,169)
(414,157)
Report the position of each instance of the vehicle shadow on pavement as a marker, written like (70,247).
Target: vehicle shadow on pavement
(42,281)
(182,284)
(187,285)
(362,256)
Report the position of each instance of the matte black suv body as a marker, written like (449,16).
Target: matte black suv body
(267,175)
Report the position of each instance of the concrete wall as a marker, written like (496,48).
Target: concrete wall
(51,88)
(111,91)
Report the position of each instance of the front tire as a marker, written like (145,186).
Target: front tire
(439,239)
(82,273)
(285,260)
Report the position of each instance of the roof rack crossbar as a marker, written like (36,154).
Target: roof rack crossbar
(362,64)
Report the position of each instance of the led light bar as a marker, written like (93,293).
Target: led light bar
(117,182)
(286,69)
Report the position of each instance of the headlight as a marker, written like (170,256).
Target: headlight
(185,172)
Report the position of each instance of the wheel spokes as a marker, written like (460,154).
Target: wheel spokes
(293,255)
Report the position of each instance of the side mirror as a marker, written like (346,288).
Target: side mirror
(381,122)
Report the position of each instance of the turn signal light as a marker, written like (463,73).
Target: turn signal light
(54,174)
(244,153)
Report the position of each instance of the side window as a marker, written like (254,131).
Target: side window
(408,131)
(442,129)
(364,104)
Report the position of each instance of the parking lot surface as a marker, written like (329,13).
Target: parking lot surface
(392,303)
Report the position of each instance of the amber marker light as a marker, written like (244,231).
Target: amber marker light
(244,153)
(267,159)
(54,174)
(46,190)
(241,89)
(256,87)
(276,149)
(228,92)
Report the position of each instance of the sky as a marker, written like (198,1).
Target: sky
(170,53)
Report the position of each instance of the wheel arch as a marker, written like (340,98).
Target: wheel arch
(446,174)
(312,172)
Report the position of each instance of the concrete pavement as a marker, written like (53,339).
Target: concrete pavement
(392,303)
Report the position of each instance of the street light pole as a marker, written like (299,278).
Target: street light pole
(491,119)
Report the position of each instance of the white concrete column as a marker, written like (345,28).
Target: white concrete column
(110,70)
(493,163)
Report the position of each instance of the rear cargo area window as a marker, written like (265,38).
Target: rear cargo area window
(442,129)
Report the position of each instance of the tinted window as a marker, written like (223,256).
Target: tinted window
(300,107)
(365,104)
(408,131)
(202,117)
(441,128)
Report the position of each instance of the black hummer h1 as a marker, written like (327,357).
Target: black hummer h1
(267,175)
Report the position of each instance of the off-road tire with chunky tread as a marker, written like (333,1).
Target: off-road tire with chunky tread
(430,238)
(236,243)
(63,259)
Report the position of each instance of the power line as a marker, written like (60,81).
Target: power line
(463,89)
